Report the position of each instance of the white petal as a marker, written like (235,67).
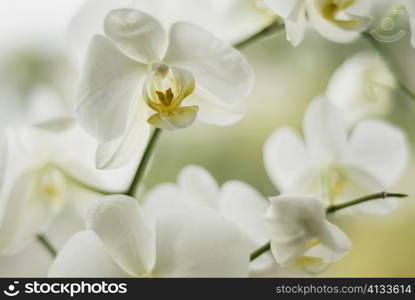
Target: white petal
(324,131)
(200,244)
(84,255)
(243,205)
(108,85)
(165,199)
(294,15)
(295,31)
(213,111)
(335,241)
(27,211)
(114,154)
(218,67)
(362,87)
(198,185)
(285,158)
(293,221)
(118,222)
(235,20)
(138,34)
(380,149)
(326,28)
(286,9)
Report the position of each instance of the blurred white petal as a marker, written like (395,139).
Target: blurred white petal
(201,244)
(29,208)
(294,15)
(380,149)
(362,86)
(243,205)
(84,255)
(324,131)
(199,185)
(285,158)
(328,29)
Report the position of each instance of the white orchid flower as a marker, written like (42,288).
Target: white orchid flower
(301,236)
(336,20)
(42,174)
(362,87)
(332,166)
(230,20)
(236,201)
(120,242)
(136,76)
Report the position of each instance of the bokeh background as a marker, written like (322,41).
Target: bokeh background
(287,79)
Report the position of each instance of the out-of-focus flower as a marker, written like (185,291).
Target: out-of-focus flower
(410,9)
(294,14)
(362,87)
(334,167)
(43,173)
(230,20)
(36,87)
(301,236)
(136,76)
(236,201)
(337,20)
(119,241)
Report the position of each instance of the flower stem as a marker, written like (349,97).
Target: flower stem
(274,27)
(46,244)
(261,250)
(383,195)
(142,167)
(382,53)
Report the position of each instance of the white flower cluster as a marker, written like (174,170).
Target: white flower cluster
(141,75)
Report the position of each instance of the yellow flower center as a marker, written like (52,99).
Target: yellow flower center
(333,10)
(333,184)
(308,262)
(51,182)
(164,92)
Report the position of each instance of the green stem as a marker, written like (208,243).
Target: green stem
(383,195)
(391,66)
(261,250)
(47,244)
(267,31)
(142,167)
